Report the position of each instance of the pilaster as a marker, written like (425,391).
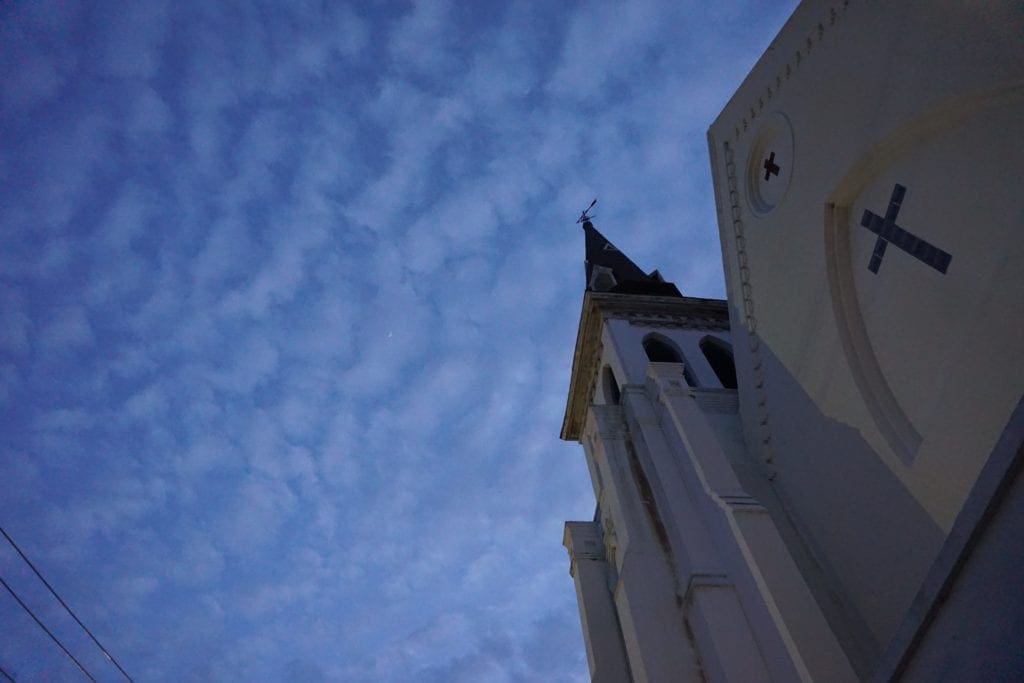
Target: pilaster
(606,652)
(764,590)
(726,642)
(647,596)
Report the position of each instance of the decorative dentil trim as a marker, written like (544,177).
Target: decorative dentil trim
(788,70)
(686,322)
(749,311)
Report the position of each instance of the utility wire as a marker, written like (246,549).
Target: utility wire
(7,675)
(65,605)
(43,626)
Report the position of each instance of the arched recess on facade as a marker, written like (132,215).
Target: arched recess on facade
(610,387)
(661,349)
(719,355)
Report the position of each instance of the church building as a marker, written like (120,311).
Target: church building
(818,479)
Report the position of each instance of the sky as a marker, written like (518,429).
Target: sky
(288,300)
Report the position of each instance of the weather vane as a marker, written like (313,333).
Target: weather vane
(585,217)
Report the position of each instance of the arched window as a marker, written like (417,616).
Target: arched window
(661,351)
(719,355)
(611,386)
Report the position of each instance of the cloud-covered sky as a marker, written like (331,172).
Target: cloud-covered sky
(288,297)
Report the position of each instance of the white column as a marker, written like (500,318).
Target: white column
(771,597)
(725,641)
(606,653)
(648,597)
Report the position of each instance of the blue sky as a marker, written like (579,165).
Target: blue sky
(288,297)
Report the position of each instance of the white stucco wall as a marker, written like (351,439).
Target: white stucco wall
(877,396)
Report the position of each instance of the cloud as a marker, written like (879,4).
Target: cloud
(67,328)
(254,515)
(208,453)
(35,71)
(605,44)
(64,419)
(503,74)
(37,80)
(226,255)
(286,270)
(57,169)
(126,218)
(288,307)
(15,325)
(309,47)
(132,39)
(352,32)
(148,404)
(149,115)
(200,562)
(419,126)
(254,362)
(422,41)
(393,330)
(339,456)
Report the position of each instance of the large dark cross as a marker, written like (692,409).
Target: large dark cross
(888,231)
(770,167)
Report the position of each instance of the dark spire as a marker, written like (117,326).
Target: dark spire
(609,270)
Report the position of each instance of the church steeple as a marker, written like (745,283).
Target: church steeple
(609,270)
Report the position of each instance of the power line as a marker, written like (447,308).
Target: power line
(7,675)
(43,626)
(65,605)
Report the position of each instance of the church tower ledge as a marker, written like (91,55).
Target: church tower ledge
(642,310)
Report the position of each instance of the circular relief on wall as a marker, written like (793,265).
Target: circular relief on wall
(770,165)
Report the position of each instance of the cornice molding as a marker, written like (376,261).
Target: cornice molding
(657,311)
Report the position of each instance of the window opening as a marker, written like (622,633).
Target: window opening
(659,351)
(611,387)
(719,355)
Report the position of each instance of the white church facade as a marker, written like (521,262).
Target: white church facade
(818,479)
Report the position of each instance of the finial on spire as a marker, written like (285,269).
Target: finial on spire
(584,217)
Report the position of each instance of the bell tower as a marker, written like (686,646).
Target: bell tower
(680,574)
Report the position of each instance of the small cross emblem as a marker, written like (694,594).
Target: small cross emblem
(887,231)
(770,167)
